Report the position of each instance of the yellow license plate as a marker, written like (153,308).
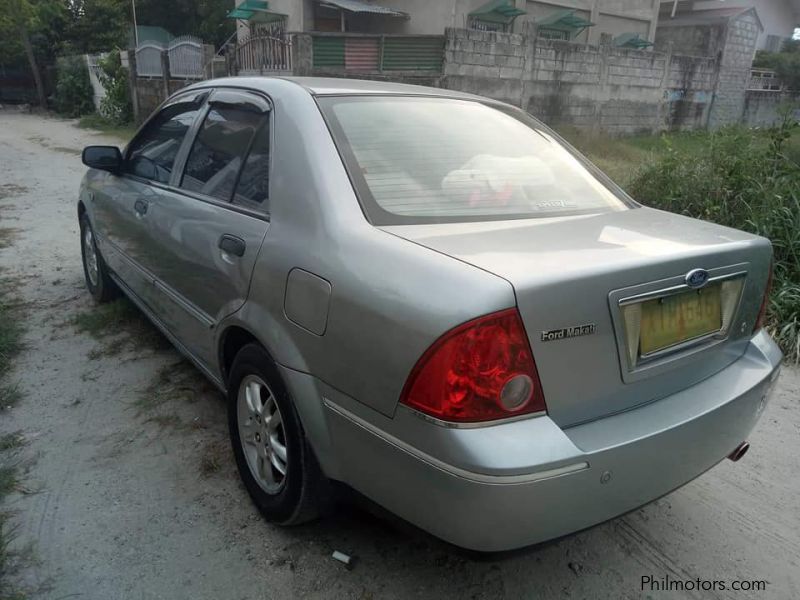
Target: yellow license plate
(674,319)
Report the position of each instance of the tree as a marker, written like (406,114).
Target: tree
(785,63)
(99,25)
(16,18)
(37,25)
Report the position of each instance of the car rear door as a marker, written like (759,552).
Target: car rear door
(207,226)
(121,204)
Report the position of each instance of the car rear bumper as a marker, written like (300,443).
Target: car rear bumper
(515,484)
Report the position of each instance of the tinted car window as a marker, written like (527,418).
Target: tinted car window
(252,190)
(418,160)
(152,154)
(219,150)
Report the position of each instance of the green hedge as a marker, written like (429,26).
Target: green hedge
(747,179)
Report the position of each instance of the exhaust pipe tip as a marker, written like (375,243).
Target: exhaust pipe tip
(740,451)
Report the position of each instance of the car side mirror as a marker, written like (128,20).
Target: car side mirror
(107,158)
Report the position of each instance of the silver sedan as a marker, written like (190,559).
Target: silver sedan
(432,298)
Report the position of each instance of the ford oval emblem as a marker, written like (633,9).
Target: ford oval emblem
(697,278)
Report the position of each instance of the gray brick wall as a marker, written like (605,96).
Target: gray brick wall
(734,71)
(596,87)
(764,108)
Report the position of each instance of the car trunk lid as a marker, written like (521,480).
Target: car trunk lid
(569,275)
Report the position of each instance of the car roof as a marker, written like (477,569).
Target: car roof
(333,86)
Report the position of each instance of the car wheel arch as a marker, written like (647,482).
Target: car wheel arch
(300,385)
(232,340)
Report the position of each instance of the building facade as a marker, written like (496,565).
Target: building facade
(588,21)
(779,18)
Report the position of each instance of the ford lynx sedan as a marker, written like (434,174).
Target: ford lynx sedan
(430,297)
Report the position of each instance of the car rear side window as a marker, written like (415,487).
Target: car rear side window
(152,154)
(225,138)
(252,191)
(427,159)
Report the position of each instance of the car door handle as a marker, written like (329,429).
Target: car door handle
(230,244)
(140,206)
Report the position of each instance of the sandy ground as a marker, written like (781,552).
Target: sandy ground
(137,494)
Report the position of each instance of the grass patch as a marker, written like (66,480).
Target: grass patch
(11,441)
(213,457)
(166,421)
(7,236)
(99,123)
(11,190)
(10,396)
(176,381)
(746,179)
(120,324)
(10,560)
(10,345)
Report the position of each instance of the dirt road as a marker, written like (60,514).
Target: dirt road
(137,495)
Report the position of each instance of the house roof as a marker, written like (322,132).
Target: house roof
(712,16)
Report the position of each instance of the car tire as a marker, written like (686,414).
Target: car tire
(275,461)
(98,281)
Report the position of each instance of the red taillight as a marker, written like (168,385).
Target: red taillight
(762,312)
(479,371)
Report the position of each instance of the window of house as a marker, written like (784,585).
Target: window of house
(553,34)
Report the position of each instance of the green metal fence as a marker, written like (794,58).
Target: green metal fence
(378,53)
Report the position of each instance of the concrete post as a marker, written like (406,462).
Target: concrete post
(302,54)
(662,118)
(208,61)
(165,74)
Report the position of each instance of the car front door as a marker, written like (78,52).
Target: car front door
(121,205)
(207,226)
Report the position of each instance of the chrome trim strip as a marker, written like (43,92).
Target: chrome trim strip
(187,306)
(452,425)
(450,469)
(676,289)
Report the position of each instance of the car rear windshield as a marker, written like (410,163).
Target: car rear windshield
(433,160)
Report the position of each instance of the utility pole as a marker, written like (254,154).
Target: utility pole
(135,28)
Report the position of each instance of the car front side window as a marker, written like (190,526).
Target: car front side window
(152,154)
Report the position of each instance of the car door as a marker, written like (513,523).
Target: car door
(207,226)
(121,204)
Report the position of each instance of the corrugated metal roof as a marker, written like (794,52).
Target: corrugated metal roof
(359,6)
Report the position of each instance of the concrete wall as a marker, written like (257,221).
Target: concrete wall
(734,72)
(762,108)
(151,92)
(596,87)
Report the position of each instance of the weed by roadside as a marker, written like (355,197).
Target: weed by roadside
(213,457)
(11,441)
(7,235)
(745,179)
(11,559)
(175,381)
(10,396)
(96,121)
(10,345)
